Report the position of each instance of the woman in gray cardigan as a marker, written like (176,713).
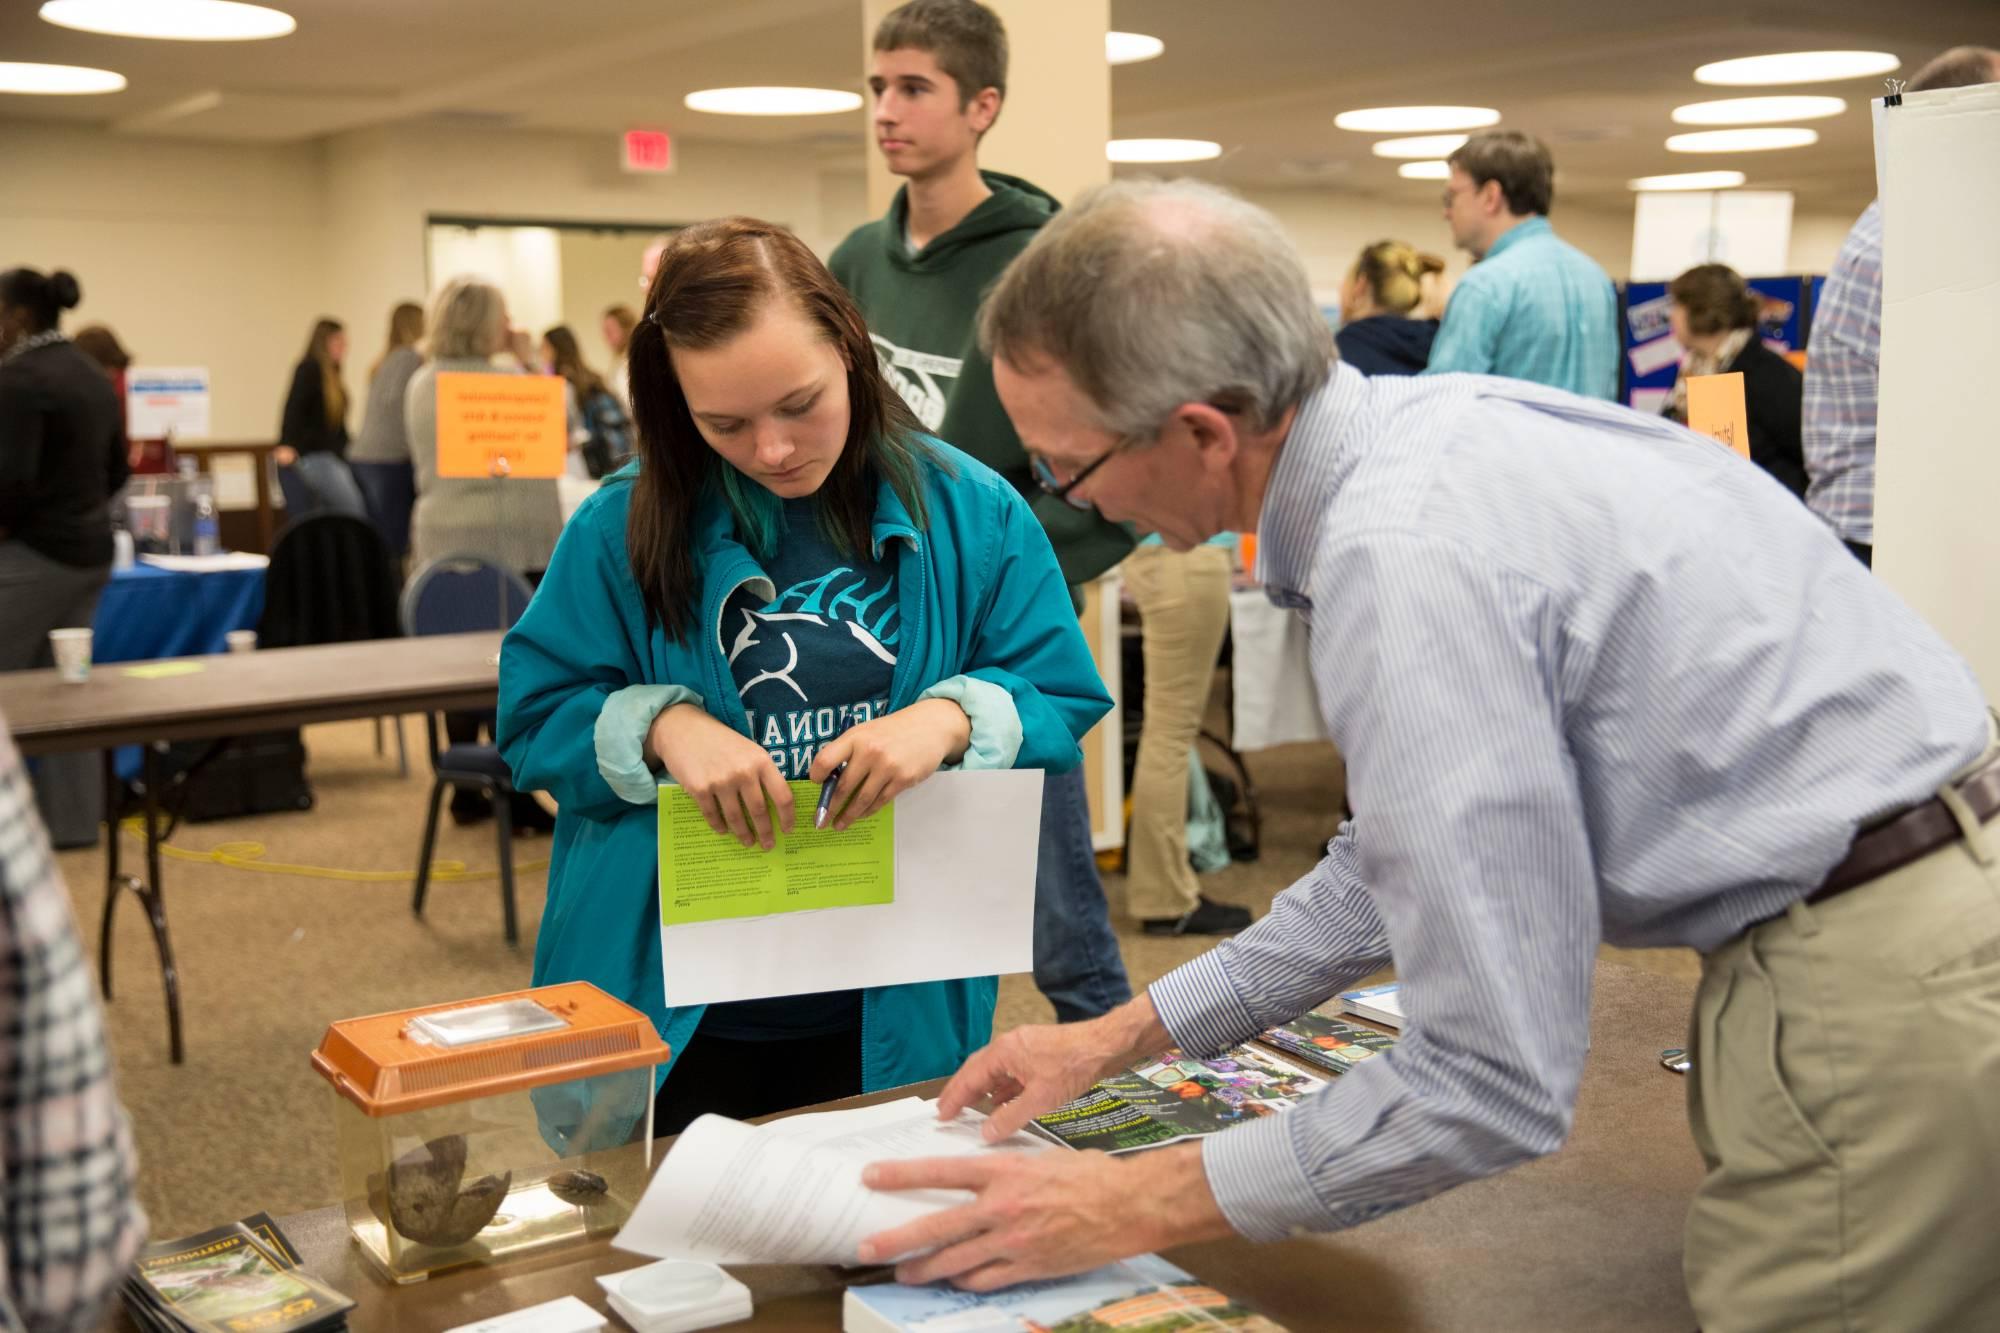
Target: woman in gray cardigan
(511,521)
(379,457)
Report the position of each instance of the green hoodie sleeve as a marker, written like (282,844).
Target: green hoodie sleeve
(572,650)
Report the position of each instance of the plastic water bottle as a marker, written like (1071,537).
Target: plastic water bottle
(207,533)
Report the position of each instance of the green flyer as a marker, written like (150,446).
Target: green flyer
(707,876)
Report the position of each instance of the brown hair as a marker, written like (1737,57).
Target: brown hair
(331,388)
(713,280)
(1520,162)
(101,345)
(1960,67)
(1716,299)
(967,40)
(569,364)
(626,319)
(406,329)
(1394,272)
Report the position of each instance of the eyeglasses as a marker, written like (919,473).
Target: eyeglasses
(1045,476)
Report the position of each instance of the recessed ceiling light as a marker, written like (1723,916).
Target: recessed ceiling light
(175,20)
(57,80)
(1129,48)
(772,101)
(1416,119)
(1796,67)
(1424,145)
(1689,180)
(1425,171)
(1741,141)
(1162,150)
(1758,110)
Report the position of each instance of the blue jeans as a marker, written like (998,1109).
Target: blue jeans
(1077,965)
(391,492)
(320,483)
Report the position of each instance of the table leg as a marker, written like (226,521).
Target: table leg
(151,894)
(113,881)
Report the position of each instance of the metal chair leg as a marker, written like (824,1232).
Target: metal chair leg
(503,824)
(430,843)
(402,750)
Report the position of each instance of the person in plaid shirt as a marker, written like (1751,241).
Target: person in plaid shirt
(70,1223)
(1843,355)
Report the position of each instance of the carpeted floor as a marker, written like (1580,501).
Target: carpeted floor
(268,959)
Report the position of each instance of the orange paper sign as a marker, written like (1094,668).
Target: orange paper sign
(501,425)
(1715,409)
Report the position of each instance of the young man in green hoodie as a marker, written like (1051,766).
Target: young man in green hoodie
(939,74)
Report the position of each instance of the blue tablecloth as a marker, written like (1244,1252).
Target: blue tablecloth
(147,612)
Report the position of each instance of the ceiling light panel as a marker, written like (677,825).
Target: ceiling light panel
(56,80)
(1162,150)
(1425,171)
(1796,67)
(171,20)
(1416,119)
(772,101)
(1742,141)
(1689,180)
(1758,110)
(1424,145)
(1129,48)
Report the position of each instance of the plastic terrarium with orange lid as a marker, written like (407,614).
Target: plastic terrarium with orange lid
(477,1131)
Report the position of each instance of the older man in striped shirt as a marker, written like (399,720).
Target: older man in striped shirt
(1594,679)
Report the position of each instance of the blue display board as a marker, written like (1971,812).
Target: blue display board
(1652,358)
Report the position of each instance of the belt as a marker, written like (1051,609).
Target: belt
(1911,835)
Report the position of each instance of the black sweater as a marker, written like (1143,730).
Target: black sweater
(62,454)
(305,426)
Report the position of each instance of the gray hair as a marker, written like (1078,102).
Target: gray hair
(1151,294)
(466,316)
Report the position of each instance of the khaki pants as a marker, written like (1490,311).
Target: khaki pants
(1846,1097)
(1183,602)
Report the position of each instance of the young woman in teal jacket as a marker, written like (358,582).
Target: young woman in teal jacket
(789,578)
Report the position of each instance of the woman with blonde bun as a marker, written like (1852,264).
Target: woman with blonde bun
(1377,335)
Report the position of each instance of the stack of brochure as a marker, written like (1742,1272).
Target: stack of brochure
(1143,1293)
(242,1276)
(676,1296)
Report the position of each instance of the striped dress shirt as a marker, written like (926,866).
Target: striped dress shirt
(1843,366)
(1595,678)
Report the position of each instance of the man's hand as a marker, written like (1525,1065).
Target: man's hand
(1030,1071)
(1044,1214)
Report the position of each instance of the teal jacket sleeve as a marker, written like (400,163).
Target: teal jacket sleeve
(580,642)
(1027,642)
(1470,333)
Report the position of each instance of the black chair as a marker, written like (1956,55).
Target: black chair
(332,580)
(460,595)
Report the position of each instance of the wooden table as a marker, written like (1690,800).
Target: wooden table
(231,694)
(1587,1239)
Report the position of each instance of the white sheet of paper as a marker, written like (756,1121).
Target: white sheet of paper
(965,906)
(731,1193)
(209,564)
(1936,469)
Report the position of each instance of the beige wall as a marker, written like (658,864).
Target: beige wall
(195,255)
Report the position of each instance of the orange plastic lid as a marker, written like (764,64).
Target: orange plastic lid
(415,1059)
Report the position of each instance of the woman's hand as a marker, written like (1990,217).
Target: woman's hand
(284,455)
(890,755)
(730,776)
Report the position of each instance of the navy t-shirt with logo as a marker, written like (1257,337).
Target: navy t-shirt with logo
(812,662)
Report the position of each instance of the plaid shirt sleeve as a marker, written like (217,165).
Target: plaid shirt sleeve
(70,1223)
(1842,361)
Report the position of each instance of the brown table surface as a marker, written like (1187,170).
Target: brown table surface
(1587,1239)
(245,692)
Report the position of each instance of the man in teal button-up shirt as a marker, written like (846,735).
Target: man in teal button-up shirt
(1534,307)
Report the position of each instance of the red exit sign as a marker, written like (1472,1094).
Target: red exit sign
(649,150)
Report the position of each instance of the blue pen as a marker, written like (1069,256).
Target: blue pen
(826,796)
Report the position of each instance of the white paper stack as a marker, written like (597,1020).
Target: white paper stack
(675,1296)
